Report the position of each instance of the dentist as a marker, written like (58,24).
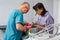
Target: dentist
(15,25)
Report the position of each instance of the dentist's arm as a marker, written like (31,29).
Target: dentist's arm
(20,27)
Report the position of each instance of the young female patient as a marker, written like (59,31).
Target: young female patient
(45,19)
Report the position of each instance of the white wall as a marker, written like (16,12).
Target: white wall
(7,5)
(56,11)
(58,15)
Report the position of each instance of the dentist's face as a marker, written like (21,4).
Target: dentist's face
(25,8)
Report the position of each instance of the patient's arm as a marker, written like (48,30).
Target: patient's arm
(39,26)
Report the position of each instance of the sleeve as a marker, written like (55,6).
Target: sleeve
(19,19)
(50,20)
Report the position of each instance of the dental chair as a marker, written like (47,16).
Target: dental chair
(44,33)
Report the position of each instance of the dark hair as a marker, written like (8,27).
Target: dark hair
(40,6)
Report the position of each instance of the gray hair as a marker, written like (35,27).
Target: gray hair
(25,3)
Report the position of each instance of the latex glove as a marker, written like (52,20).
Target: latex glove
(28,26)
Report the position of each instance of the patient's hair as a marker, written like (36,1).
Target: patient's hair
(25,3)
(40,6)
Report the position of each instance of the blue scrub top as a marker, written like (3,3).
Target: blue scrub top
(11,32)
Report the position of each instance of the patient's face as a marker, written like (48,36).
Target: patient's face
(39,11)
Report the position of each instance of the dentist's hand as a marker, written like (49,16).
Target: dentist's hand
(28,26)
(25,23)
(25,26)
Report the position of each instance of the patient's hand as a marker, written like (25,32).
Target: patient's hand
(33,24)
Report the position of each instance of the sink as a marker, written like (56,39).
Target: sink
(3,27)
